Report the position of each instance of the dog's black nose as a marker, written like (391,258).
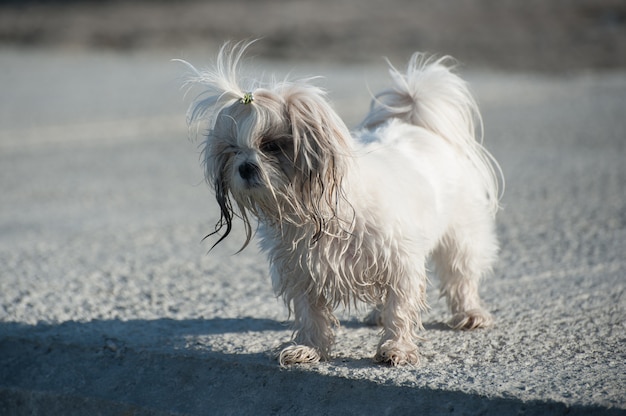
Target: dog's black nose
(247,170)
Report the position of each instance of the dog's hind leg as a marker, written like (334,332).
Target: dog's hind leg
(462,259)
(375,316)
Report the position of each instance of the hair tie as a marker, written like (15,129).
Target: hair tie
(247,98)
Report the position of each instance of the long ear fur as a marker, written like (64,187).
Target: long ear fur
(222,86)
(322,145)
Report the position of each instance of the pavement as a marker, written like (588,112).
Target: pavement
(111,303)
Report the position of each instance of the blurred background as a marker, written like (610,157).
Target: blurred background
(537,35)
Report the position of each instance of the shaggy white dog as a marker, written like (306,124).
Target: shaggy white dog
(347,217)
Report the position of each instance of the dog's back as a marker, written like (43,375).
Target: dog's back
(431,96)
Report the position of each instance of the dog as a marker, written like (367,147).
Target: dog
(351,217)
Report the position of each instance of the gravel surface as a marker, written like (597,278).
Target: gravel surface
(110,304)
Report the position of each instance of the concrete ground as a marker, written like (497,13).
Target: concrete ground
(110,304)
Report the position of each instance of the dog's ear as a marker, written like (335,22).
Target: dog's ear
(317,129)
(322,148)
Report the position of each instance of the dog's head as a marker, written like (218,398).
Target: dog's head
(277,150)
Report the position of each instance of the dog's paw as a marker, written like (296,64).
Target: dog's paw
(472,319)
(297,354)
(397,354)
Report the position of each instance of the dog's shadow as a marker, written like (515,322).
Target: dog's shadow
(177,336)
(60,359)
(141,331)
(428,326)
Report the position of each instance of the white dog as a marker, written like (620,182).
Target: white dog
(347,217)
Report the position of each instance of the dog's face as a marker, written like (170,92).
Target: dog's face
(280,157)
(250,150)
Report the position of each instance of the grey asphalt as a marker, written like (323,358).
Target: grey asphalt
(111,304)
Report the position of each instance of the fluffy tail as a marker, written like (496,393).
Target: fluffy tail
(431,96)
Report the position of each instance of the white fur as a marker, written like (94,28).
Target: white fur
(347,217)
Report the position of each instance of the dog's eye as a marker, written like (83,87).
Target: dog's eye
(271,146)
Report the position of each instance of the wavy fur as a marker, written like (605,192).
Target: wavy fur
(353,217)
(431,96)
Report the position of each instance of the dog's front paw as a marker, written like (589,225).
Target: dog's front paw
(397,353)
(297,354)
(472,319)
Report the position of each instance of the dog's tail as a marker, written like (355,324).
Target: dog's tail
(432,96)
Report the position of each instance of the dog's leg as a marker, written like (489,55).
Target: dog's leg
(375,317)
(461,261)
(401,320)
(313,335)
